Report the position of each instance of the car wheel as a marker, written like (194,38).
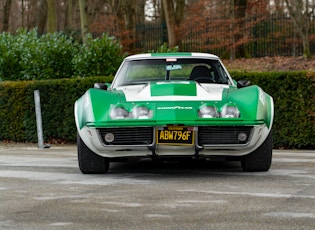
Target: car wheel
(89,162)
(260,159)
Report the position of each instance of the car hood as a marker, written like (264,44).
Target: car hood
(173,102)
(174,91)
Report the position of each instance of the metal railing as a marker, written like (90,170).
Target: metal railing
(271,36)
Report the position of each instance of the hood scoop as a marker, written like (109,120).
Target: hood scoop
(172,88)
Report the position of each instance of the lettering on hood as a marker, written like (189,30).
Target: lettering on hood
(175,107)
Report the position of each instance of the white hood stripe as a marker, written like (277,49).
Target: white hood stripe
(204,93)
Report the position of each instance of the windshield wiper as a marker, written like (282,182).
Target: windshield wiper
(133,83)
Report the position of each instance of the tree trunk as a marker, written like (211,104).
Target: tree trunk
(69,15)
(84,19)
(306,46)
(180,11)
(239,14)
(232,18)
(52,21)
(6,15)
(131,23)
(169,12)
(120,13)
(140,12)
(42,17)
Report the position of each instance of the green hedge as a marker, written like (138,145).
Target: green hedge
(293,93)
(17,109)
(294,98)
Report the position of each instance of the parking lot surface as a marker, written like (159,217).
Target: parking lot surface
(44,189)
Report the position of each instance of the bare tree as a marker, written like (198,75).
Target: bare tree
(119,18)
(279,6)
(131,25)
(84,19)
(42,16)
(72,17)
(300,12)
(69,14)
(140,15)
(52,21)
(239,16)
(154,11)
(174,14)
(6,15)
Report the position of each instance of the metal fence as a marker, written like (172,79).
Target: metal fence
(272,36)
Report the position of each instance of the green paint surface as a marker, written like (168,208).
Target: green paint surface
(174,89)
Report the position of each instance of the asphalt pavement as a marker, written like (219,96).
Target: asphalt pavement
(44,189)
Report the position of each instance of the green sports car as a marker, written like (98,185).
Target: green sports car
(171,105)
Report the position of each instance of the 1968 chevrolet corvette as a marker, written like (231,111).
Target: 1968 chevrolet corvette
(166,105)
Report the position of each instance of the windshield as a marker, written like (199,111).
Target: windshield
(144,71)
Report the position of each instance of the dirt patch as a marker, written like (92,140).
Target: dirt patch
(271,64)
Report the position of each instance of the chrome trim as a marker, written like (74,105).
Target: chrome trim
(88,135)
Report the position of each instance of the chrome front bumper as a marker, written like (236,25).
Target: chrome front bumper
(141,142)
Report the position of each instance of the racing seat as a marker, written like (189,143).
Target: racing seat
(201,74)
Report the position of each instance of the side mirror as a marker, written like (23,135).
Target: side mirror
(243,83)
(100,86)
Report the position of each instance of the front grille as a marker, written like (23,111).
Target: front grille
(128,136)
(222,135)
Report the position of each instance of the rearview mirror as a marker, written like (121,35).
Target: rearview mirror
(243,83)
(173,67)
(100,86)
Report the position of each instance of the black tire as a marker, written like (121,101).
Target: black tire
(89,162)
(260,159)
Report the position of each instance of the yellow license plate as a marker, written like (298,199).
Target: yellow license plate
(175,135)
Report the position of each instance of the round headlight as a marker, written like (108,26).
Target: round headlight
(208,112)
(230,111)
(118,112)
(141,112)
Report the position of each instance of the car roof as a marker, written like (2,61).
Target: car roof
(171,55)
